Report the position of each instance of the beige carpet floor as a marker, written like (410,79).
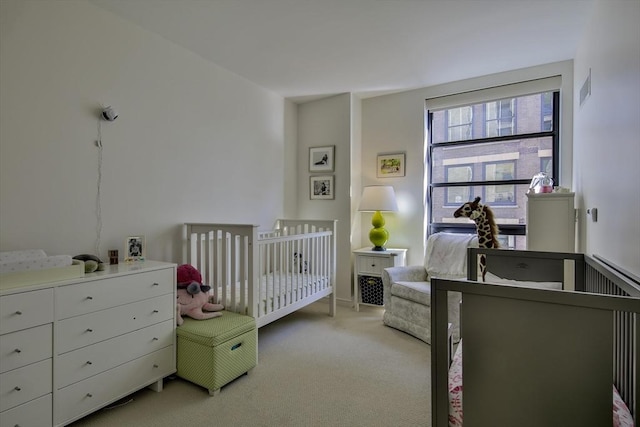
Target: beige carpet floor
(313,370)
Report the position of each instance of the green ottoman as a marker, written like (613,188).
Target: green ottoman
(214,352)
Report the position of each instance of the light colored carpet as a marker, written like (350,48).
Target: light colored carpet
(313,370)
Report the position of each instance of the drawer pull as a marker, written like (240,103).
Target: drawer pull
(89,395)
(89,297)
(155,365)
(373,265)
(155,284)
(18,312)
(89,362)
(17,350)
(89,330)
(16,388)
(155,311)
(155,339)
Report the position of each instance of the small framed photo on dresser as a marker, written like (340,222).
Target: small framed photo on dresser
(135,248)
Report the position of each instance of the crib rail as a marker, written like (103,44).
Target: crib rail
(224,254)
(264,274)
(600,278)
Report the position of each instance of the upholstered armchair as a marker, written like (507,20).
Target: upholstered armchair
(407,291)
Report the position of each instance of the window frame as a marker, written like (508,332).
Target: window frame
(505,229)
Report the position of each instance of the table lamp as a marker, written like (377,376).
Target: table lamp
(377,198)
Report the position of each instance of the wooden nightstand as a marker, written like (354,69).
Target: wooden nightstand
(367,273)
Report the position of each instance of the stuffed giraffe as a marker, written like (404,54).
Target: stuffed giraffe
(486,227)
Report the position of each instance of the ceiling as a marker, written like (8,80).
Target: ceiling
(305,49)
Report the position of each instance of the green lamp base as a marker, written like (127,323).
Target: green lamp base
(378,234)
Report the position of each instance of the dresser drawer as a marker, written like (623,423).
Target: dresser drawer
(25,310)
(23,384)
(37,413)
(81,398)
(88,361)
(21,348)
(373,264)
(82,331)
(86,297)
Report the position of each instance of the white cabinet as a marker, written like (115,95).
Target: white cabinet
(71,347)
(551,222)
(367,272)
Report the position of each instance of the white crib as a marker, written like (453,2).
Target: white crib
(265,274)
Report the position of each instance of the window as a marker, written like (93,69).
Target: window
(459,123)
(500,117)
(547,111)
(459,173)
(499,194)
(490,147)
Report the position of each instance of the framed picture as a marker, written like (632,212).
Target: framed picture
(390,165)
(321,187)
(321,158)
(134,248)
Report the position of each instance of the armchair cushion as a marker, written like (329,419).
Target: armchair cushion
(419,292)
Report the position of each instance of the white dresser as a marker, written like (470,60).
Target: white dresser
(69,348)
(551,222)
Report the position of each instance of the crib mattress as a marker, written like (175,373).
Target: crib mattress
(621,415)
(285,287)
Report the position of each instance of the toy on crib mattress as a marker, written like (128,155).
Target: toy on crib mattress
(193,297)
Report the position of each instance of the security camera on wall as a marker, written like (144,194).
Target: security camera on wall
(109,114)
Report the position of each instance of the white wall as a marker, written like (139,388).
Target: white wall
(320,123)
(395,123)
(607,134)
(193,142)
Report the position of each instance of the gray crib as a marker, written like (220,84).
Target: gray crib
(539,357)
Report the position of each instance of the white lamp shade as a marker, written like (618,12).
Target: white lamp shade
(378,198)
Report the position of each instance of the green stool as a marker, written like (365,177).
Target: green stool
(214,352)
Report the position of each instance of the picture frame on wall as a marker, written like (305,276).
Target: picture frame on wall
(390,165)
(135,248)
(321,187)
(321,159)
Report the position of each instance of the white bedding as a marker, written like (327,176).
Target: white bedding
(288,286)
(492,278)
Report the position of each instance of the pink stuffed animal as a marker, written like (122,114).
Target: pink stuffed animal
(193,296)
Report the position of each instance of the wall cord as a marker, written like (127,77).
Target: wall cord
(98,194)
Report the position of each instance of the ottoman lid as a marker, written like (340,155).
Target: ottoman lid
(212,332)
